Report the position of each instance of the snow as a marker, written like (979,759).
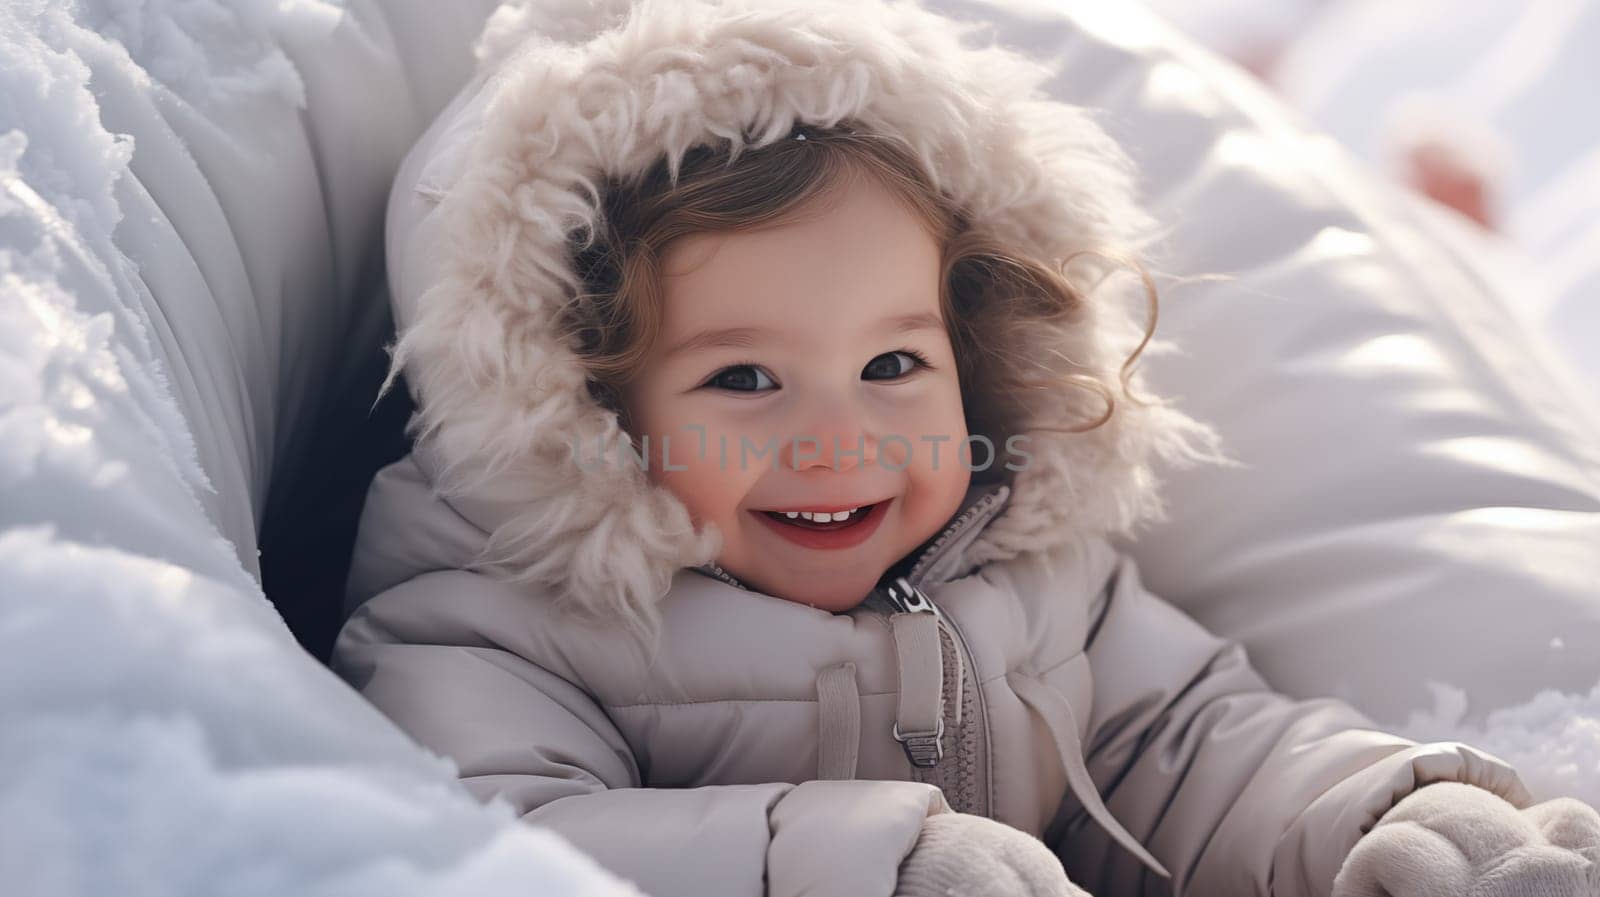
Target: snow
(163,731)
(206,53)
(1553,740)
(163,737)
(72,392)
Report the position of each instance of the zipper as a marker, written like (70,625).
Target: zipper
(962,706)
(923,564)
(974,746)
(714,569)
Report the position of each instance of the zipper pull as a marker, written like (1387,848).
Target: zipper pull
(908,599)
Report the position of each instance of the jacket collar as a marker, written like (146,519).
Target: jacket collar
(938,558)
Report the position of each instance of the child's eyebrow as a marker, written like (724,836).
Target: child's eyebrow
(737,337)
(922,320)
(746,337)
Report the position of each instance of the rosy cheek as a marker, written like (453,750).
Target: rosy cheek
(704,489)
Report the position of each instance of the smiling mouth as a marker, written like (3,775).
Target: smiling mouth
(835,521)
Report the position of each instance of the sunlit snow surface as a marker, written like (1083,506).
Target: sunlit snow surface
(161,732)
(163,736)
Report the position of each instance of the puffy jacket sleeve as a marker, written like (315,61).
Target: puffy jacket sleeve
(524,735)
(1235,788)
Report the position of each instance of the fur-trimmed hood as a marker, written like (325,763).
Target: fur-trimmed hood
(572,92)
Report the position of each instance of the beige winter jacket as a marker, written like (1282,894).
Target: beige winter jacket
(1019,671)
(758,755)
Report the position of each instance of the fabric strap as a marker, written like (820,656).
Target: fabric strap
(921,665)
(839,731)
(1057,713)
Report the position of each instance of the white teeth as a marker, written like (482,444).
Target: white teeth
(821,516)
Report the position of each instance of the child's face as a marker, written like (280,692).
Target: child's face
(829,301)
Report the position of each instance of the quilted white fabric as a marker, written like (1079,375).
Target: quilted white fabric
(1504,89)
(1420,503)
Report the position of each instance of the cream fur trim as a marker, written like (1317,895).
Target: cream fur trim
(584,90)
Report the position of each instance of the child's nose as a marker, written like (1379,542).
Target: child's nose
(837,439)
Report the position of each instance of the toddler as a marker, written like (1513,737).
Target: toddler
(774,406)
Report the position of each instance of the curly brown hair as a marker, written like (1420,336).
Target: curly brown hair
(989,297)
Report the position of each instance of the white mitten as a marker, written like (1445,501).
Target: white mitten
(1451,839)
(974,856)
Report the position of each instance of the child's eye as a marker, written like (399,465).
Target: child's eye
(745,377)
(889,366)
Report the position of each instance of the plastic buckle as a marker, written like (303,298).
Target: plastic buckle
(923,749)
